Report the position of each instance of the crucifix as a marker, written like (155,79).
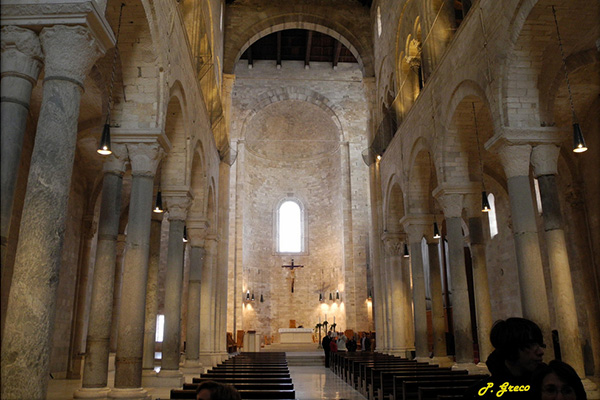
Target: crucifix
(291,267)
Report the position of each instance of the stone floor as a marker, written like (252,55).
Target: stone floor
(310,383)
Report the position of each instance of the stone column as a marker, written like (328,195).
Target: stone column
(152,297)
(178,205)
(117,289)
(207,310)
(480,276)
(452,202)
(544,159)
(144,159)
(197,255)
(393,246)
(82,302)
(515,160)
(95,373)
(70,53)
(21,64)
(438,321)
(409,326)
(416,226)
(386,332)
(222,257)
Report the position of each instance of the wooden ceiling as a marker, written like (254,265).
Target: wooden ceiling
(299,45)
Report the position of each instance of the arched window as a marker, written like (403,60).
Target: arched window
(290,226)
(492,216)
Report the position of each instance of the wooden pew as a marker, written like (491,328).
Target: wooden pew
(410,388)
(233,380)
(183,394)
(432,393)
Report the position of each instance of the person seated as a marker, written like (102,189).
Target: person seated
(557,380)
(518,351)
(210,390)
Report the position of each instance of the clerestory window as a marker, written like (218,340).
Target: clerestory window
(492,215)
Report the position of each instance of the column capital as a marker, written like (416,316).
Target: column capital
(144,158)
(544,159)
(70,52)
(145,135)
(178,204)
(115,162)
(417,226)
(393,243)
(197,230)
(451,197)
(21,53)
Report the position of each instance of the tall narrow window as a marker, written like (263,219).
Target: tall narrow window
(492,215)
(289,229)
(160,328)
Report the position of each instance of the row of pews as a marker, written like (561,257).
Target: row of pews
(381,376)
(254,375)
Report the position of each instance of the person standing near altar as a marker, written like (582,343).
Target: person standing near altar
(341,343)
(326,348)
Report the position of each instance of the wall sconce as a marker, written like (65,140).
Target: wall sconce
(262,300)
(436,230)
(321,297)
(248,295)
(370,296)
(406,255)
(185,238)
(158,207)
(337,294)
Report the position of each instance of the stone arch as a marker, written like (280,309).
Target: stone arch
(406,32)
(320,23)
(421,178)
(198,182)
(294,93)
(175,165)
(394,206)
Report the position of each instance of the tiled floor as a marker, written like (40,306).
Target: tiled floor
(310,383)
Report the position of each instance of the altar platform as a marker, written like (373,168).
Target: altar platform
(295,335)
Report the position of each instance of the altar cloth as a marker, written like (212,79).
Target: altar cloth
(295,335)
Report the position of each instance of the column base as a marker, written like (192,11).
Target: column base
(423,359)
(591,389)
(442,361)
(92,393)
(207,360)
(224,356)
(192,367)
(471,367)
(483,368)
(130,394)
(165,378)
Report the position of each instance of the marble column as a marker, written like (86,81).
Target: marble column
(178,207)
(416,227)
(95,373)
(515,160)
(83,302)
(70,53)
(21,64)
(452,204)
(207,309)
(394,250)
(438,321)
(544,159)
(481,286)
(117,289)
(152,296)
(144,159)
(197,255)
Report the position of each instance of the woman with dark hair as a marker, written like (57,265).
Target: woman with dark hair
(557,380)
(519,348)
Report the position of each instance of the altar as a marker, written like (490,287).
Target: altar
(295,335)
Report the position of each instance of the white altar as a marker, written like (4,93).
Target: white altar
(295,335)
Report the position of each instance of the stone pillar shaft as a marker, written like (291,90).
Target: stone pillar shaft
(193,323)
(420,307)
(560,272)
(437,303)
(31,304)
(222,260)
(207,309)
(117,289)
(152,295)
(95,373)
(481,288)
(173,289)
(461,317)
(21,65)
(128,363)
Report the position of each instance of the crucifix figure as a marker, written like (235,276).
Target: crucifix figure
(291,267)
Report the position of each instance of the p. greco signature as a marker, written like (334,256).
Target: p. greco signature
(505,387)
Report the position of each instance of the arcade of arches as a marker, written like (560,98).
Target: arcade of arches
(378,119)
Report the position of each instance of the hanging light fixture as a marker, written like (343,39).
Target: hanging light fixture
(406,255)
(104,147)
(485,204)
(158,207)
(185,238)
(579,145)
(337,294)
(248,295)
(370,295)
(330,296)
(436,230)
(262,300)
(321,297)
(252,299)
